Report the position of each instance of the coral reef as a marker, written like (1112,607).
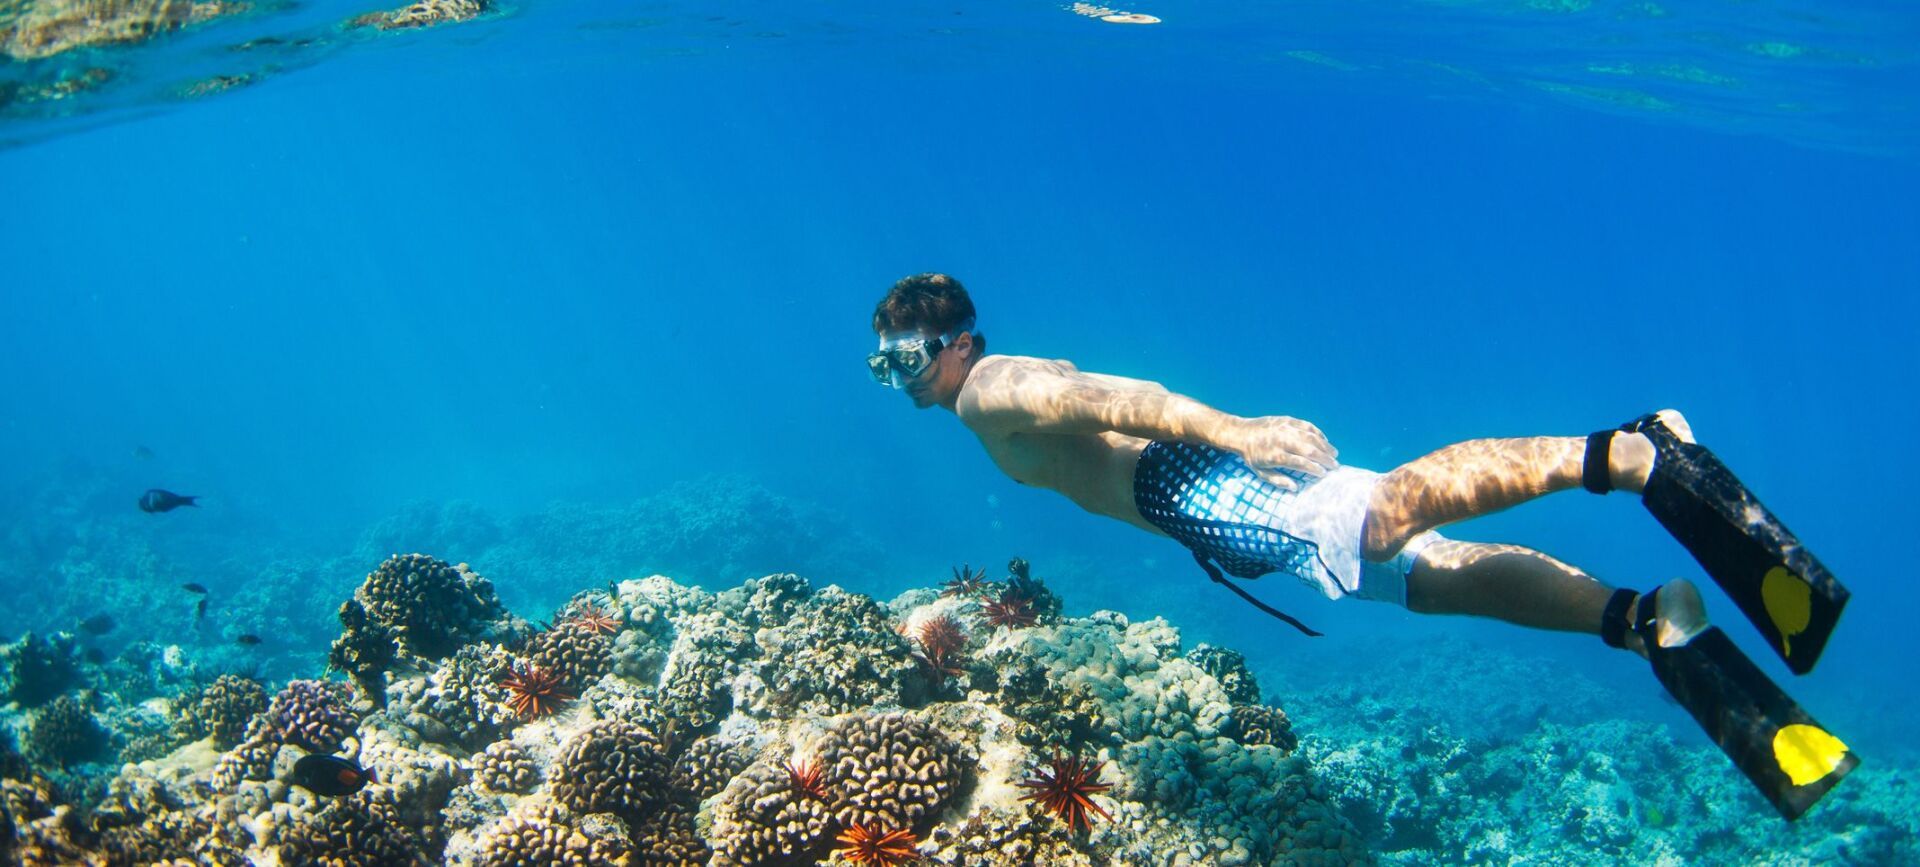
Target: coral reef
(467,699)
(780,722)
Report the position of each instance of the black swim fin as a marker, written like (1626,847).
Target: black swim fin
(1787,755)
(1788,594)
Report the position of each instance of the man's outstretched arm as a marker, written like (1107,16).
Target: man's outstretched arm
(1031,395)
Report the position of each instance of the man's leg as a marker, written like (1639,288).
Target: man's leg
(1510,583)
(1480,477)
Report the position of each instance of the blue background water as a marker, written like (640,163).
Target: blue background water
(570,255)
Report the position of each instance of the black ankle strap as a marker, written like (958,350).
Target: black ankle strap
(1594,475)
(1613,621)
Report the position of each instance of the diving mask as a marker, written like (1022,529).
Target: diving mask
(903,359)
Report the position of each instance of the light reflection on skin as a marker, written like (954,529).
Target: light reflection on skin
(1048,424)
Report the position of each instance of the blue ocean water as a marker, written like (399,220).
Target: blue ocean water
(570,258)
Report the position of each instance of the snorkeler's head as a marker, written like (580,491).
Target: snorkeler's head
(927,339)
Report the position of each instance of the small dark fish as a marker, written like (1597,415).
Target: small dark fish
(191,587)
(156,500)
(96,656)
(330,776)
(200,610)
(98,624)
(142,453)
(247,638)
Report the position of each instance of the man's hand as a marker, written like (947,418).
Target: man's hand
(1277,442)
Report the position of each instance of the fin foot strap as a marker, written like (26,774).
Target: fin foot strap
(1594,475)
(1613,621)
(1214,573)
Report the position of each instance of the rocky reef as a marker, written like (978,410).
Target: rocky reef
(655,723)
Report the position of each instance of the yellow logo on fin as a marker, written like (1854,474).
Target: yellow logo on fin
(1789,601)
(1806,752)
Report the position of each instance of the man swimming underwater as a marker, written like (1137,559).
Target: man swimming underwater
(1260,495)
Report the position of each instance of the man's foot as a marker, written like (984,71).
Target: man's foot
(1679,615)
(1630,455)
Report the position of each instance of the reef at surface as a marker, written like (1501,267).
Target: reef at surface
(647,722)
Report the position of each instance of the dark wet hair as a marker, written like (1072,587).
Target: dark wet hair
(935,302)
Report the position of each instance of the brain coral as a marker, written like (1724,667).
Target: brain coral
(1230,668)
(762,820)
(892,770)
(1260,724)
(612,767)
(709,764)
(65,732)
(579,654)
(362,830)
(222,709)
(544,834)
(310,714)
(506,767)
(417,605)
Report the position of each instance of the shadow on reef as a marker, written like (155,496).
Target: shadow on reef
(651,722)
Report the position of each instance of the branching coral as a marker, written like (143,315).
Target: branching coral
(463,701)
(761,820)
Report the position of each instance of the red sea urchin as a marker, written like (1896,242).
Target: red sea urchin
(593,618)
(1067,790)
(1012,610)
(866,844)
(941,640)
(808,779)
(534,691)
(966,583)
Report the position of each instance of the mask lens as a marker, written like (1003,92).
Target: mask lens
(911,361)
(881,368)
